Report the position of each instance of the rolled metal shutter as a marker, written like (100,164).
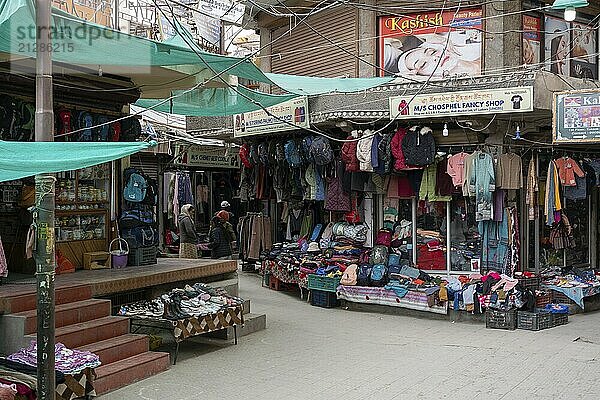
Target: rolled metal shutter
(304,52)
(148,163)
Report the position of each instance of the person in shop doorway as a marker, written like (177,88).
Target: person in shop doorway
(220,237)
(188,240)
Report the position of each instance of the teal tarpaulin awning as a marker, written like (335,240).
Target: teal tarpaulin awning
(22,159)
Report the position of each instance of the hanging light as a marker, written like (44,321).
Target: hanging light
(569,6)
(445,131)
(518,133)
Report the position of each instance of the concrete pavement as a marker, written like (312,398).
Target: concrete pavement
(314,353)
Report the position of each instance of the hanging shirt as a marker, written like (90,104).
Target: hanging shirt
(444,186)
(482,183)
(428,185)
(567,169)
(509,174)
(532,188)
(467,168)
(456,167)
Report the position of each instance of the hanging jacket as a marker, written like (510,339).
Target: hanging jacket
(418,148)
(384,153)
(363,152)
(397,139)
(375,152)
(349,155)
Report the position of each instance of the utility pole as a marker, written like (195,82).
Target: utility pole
(43,214)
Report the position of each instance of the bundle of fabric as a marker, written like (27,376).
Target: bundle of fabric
(67,361)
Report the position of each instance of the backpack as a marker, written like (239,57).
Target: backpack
(384,237)
(363,274)
(85,121)
(378,275)
(305,149)
(393,269)
(350,276)
(379,255)
(136,217)
(364,257)
(26,121)
(136,186)
(394,259)
(320,151)
(292,155)
(151,197)
(131,129)
(102,133)
(115,131)
(263,153)
(280,152)
(316,233)
(140,236)
(8,117)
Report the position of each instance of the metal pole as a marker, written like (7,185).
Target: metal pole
(116,16)
(448,241)
(414,231)
(44,211)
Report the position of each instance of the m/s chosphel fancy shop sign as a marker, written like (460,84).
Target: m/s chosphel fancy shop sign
(490,101)
(286,116)
(202,156)
(576,117)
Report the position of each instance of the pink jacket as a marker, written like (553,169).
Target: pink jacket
(399,162)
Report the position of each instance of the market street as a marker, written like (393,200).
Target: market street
(315,353)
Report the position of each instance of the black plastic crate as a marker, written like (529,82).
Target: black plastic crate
(534,321)
(142,256)
(530,283)
(560,319)
(497,319)
(321,298)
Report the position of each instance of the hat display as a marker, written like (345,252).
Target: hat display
(313,247)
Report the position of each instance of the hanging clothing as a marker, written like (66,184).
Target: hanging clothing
(494,245)
(561,235)
(363,151)
(498,208)
(349,154)
(405,186)
(418,148)
(397,153)
(456,167)
(595,165)
(467,169)
(444,185)
(532,189)
(509,171)
(392,186)
(427,191)
(567,169)
(482,182)
(552,201)
(579,191)
(166,199)
(375,154)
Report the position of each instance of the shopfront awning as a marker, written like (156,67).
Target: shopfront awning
(93,47)
(22,159)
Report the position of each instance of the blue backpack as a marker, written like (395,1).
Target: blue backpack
(292,154)
(86,121)
(378,275)
(393,269)
(135,189)
(362,277)
(320,151)
(394,259)
(102,132)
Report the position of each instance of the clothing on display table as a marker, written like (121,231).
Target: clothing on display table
(509,171)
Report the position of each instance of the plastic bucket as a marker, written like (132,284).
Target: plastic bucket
(119,257)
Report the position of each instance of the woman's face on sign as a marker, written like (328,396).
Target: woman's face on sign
(424,61)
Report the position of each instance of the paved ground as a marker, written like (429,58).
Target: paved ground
(313,353)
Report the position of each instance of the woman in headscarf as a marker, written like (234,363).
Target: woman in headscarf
(188,240)
(558,54)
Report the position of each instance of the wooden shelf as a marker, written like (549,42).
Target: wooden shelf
(76,203)
(93,211)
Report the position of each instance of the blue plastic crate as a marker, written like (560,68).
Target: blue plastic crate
(324,299)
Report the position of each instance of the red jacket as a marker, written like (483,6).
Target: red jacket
(399,161)
(349,155)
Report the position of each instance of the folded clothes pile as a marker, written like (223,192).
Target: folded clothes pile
(191,301)
(67,361)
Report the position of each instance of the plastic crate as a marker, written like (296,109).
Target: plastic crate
(497,319)
(324,299)
(561,298)
(560,319)
(266,279)
(542,299)
(530,283)
(534,321)
(142,256)
(317,282)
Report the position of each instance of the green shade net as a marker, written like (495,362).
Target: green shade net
(214,102)
(82,43)
(21,159)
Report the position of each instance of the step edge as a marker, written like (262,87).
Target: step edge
(131,337)
(148,356)
(68,329)
(64,307)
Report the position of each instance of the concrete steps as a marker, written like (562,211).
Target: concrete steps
(118,348)
(27,301)
(69,313)
(129,370)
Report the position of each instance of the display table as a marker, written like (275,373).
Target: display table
(416,299)
(77,386)
(577,294)
(189,327)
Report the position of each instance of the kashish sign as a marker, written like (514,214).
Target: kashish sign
(576,117)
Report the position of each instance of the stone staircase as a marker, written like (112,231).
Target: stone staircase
(86,324)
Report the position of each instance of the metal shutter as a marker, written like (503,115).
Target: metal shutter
(148,163)
(303,52)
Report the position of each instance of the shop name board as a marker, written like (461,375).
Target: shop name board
(491,101)
(230,11)
(202,156)
(576,117)
(286,116)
